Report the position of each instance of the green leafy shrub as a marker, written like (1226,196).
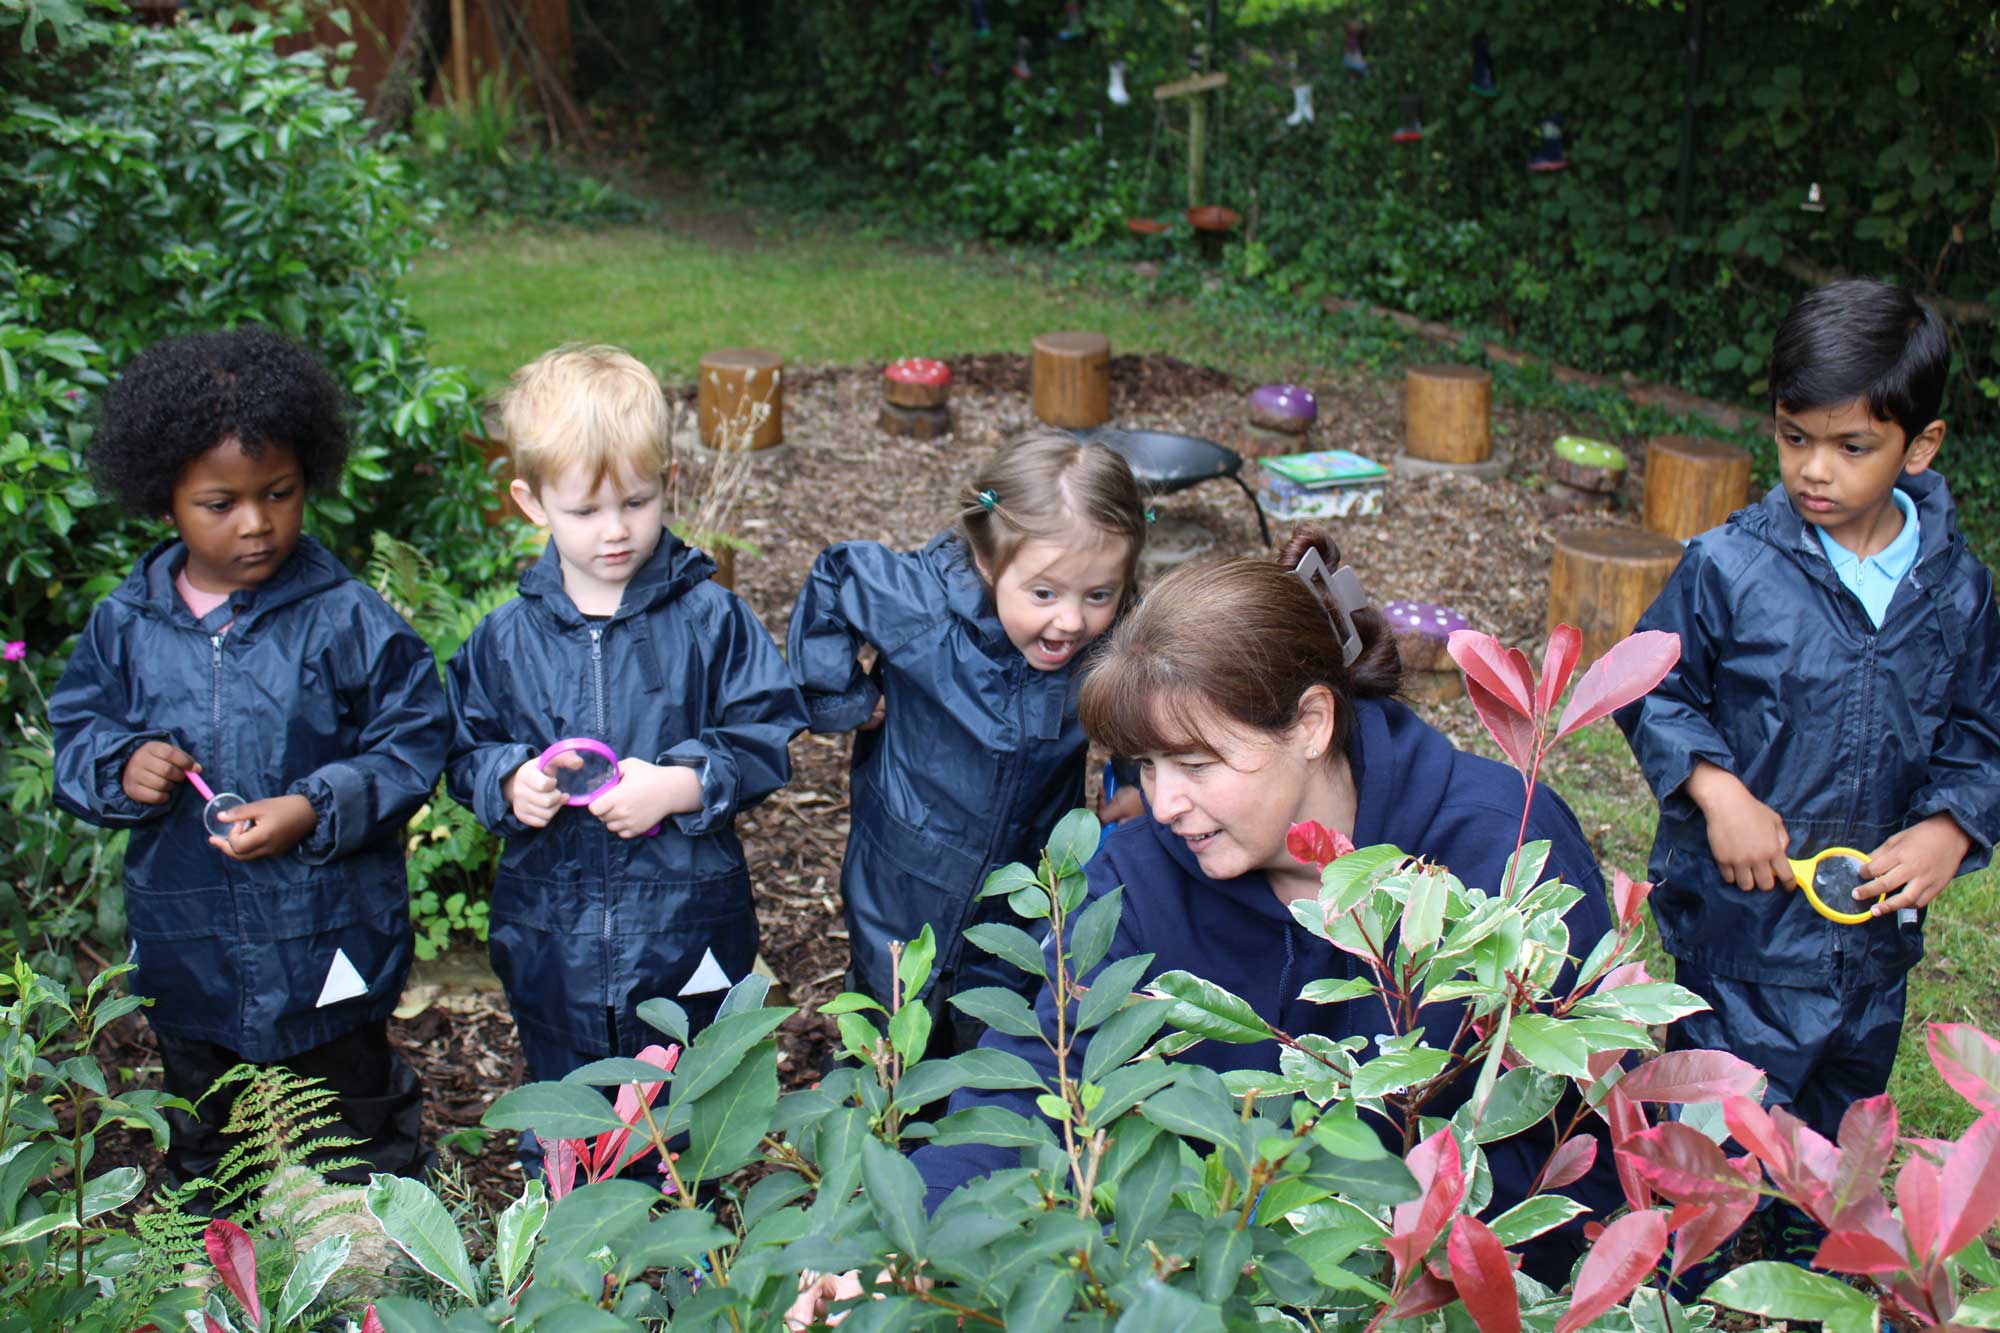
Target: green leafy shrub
(480,161)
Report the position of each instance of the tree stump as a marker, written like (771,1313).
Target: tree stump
(914,423)
(740,401)
(1693,484)
(1072,379)
(1603,579)
(1447,414)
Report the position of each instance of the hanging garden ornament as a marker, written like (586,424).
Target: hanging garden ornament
(1483,81)
(1117,93)
(1550,157)
(1412,128)
(1072,27)
(1021,69)
(976,11)
(1302,105)
(1813,203)
(1350,55)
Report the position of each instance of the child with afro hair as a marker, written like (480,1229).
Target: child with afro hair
(239,649)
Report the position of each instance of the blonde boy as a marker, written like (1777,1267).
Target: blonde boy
(619,636)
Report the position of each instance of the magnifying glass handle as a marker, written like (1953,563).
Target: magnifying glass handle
(194,780)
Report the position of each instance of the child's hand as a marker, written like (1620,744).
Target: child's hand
(874,718)
(1124,804)
(154,770)
(1915,865)
(533,794)
(265,828)
(645,795)
(1746,837)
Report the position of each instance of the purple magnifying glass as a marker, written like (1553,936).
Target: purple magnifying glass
(594,773)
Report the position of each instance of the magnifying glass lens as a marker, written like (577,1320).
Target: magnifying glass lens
(593,771)
(217,804)
(1835,881)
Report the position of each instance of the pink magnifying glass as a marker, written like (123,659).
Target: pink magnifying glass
(594,773)
(218,803)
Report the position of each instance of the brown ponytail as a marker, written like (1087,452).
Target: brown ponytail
(1241,640)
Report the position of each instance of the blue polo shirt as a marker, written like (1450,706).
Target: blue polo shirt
(1873,578)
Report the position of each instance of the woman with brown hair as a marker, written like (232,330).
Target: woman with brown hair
(1256,694)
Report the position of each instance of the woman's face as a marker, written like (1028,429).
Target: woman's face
(1233,805)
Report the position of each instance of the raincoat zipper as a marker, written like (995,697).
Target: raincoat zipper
(603,730)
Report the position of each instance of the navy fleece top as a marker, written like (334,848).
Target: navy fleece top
(1416,791)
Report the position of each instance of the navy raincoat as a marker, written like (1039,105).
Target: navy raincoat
(584,922)
(979,754)
(316,687)
(1415,791)
(1849,732)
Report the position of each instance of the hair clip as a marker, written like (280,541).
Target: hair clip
(989,500)
(1152,514)
(1344,596)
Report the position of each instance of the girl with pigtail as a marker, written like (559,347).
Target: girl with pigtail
(969,749)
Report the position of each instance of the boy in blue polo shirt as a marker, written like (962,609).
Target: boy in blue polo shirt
(1839,686)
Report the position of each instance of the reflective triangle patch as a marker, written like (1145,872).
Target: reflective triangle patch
(342,981)
(708,977)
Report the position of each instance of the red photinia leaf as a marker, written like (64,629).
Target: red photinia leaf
(1969,1060)
(1627,1119)
(1513,732)
(1623,1257)
(1422,1296)
(1630,670)
(559,1162)
(1599,1064)
(1683,1164)
(611,1144)
(370,1322)
(1504,672)
(1314,844)
(1919,1186)
(1858,1252)
(1867,1141)
(1970,1200)
(1750,1125)
(1558,661)
(1571,1162)
(1484,1276)
(209,1320)
(1703,1235)
(1625,974)
(1439,1173)
(235,1260)
(1628,896)
(1691,1076)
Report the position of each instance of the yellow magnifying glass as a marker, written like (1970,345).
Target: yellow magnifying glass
(1830,879)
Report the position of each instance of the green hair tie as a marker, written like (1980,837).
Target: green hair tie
(989,500)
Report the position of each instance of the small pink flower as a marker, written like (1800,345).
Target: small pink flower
(15,650)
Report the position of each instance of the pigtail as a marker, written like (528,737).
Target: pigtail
(1377,672)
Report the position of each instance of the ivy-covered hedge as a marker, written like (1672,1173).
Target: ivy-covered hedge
(1892,111)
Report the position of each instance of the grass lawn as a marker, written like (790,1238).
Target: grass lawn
(821,297)
(826,297)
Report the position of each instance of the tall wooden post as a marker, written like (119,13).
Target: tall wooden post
(461,57)
(1194,89)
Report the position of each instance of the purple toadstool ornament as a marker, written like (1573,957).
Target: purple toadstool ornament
(1421,629)
(1283,407)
